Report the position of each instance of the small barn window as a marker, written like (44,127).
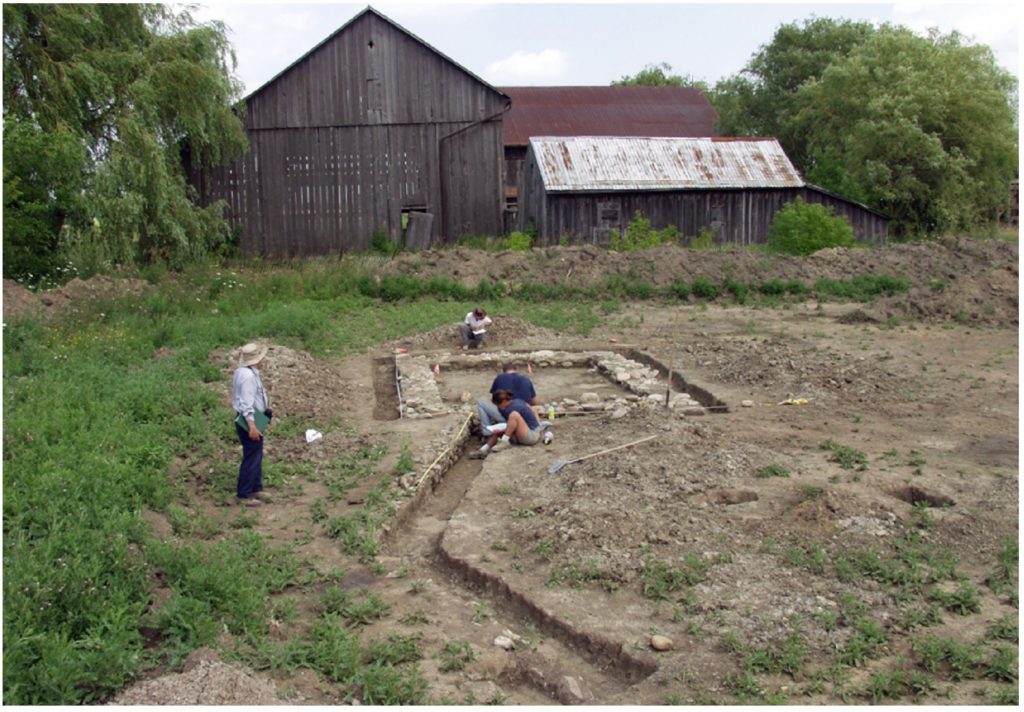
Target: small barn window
(608,212)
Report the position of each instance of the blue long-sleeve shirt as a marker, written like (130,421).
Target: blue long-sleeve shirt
(247,392)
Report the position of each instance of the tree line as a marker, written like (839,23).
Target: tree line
(105,105)
(921,128)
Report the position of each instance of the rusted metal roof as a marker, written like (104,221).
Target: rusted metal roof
(602,163)
(606,111)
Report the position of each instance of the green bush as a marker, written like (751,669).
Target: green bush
(641,236)
(383,245)
(801,228)
(519,241)
(704,240)
(703,288)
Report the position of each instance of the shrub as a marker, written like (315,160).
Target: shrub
(704,240)
(640,235)
(800,228)
(704,288)
(679,289)
(519,241)
(381,244)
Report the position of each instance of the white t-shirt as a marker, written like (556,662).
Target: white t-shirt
(477,325)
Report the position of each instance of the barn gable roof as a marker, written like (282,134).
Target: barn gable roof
(370,11)
(602,163)
(606,111)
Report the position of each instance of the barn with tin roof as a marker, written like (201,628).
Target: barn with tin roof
(581,188)
(598,111)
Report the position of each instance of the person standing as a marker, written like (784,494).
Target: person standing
(249,399)
(510,380)
(473,328)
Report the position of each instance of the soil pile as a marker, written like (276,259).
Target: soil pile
(20,302)
(204,680)
(507,332)
(961,278)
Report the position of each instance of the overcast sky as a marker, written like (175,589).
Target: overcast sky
(548,44)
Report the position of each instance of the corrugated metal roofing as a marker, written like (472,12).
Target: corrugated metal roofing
(606,111)
(601,163)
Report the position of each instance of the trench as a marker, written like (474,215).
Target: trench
(417,530)
(417,533)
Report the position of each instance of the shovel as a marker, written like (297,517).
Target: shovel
(562,463)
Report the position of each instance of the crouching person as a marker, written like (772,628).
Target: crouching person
(522,426)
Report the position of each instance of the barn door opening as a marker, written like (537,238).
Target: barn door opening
(416,226)
(608,218)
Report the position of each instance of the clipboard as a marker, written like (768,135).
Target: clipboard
(261,420)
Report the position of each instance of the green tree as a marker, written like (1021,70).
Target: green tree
(660,75)
(116,94)
(763,98)
(921,128)
(926,126)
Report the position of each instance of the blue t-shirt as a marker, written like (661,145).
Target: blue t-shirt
(524,410)
(521,386)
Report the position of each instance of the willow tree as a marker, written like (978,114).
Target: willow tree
(101,103)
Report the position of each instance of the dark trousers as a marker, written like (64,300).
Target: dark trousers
(250,472)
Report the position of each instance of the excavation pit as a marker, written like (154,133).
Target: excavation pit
(428,385)
(590,392)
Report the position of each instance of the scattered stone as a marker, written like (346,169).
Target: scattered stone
(660,642)
(589,397)
(570,692)
(512,636)
(747,403)
(619,413)
(504,642)
(407,481)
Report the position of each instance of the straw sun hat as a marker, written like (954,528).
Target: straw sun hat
(251,354)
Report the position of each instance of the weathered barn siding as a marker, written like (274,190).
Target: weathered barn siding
(735,192)
(369,124)
(598,111)
(740,217)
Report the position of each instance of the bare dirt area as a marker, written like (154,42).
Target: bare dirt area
(564,583)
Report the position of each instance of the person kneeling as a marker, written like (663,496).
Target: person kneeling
(522,426)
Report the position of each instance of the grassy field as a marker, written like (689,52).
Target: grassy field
(99,402)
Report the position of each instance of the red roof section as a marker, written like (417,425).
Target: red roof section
(606,111)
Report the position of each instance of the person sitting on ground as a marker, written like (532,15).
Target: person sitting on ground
(473,328)
(510,380)
(523,427)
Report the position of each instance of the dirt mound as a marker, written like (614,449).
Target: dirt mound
(204,680)
(507,332)
(20,302)
(955,278)
(793,369)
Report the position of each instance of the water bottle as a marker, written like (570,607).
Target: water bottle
(551,411)
(548,437)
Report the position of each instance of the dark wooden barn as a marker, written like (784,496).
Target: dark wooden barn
(581,188)
(371,131)
(598,111)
